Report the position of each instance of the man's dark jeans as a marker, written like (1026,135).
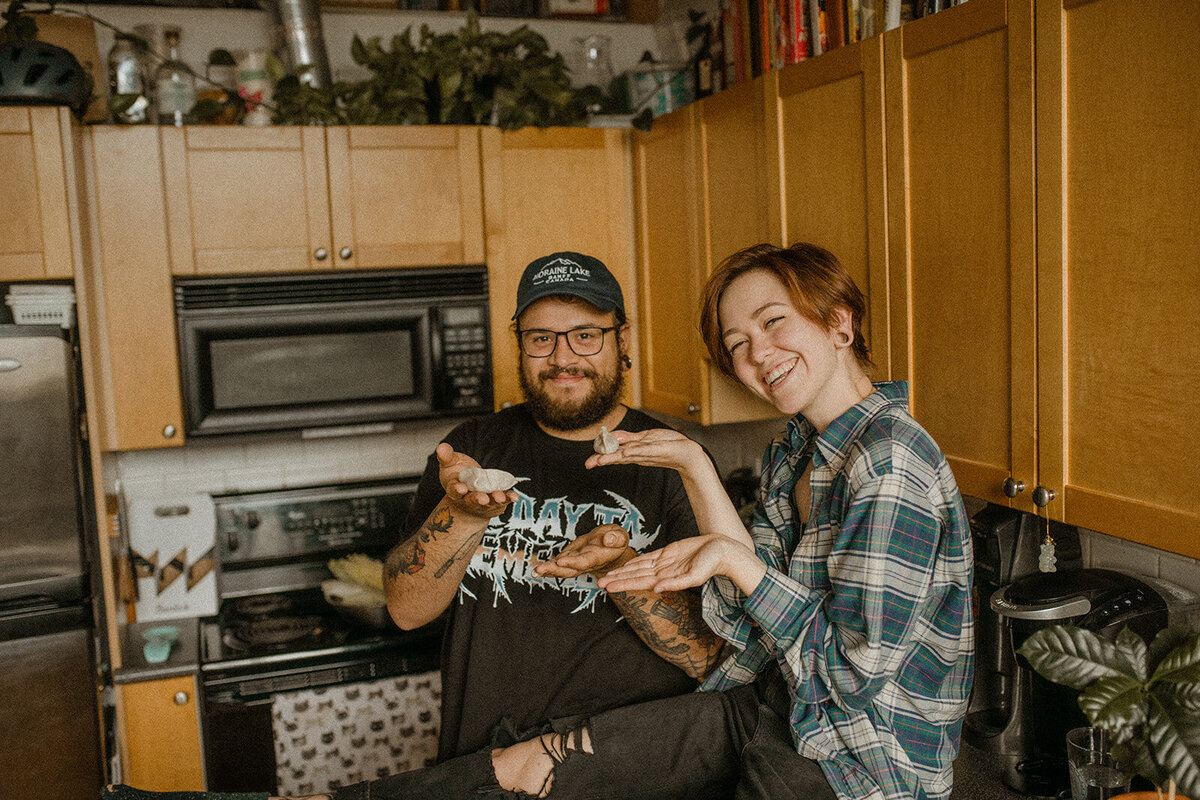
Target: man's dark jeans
(702,746)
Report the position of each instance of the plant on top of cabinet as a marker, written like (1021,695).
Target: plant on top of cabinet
(467,77)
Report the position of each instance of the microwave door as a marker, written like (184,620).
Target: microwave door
(284,369)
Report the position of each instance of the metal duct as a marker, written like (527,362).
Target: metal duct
(299,25)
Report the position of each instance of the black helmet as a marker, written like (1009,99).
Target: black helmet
(36,73)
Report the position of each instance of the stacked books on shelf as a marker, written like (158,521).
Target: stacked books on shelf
(765,35)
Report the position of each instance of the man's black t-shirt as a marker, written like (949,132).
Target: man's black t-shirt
(533,649)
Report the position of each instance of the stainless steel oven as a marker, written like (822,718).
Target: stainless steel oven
(295,698)
(320,350)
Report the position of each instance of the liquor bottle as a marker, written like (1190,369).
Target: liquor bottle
(702,77)
(174,83)
(125,77)
(716,50)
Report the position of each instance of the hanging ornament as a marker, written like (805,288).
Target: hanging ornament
(1046,558)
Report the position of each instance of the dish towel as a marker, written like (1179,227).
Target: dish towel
(337,735)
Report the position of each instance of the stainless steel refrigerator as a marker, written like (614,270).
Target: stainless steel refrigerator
(49,710)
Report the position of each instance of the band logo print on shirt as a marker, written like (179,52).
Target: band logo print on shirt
(534,530)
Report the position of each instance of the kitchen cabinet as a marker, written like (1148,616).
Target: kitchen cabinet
(128,287)
(161,743)
(1118,251)
(245,200)
(549,190)
(36,149)
(701,185)
(824,121)
(960,236)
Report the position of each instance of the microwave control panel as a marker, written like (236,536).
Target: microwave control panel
(466,358)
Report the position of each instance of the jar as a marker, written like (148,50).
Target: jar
(254,86)
(126,77)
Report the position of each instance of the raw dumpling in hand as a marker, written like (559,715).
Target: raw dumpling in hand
(605,442)
(478,479)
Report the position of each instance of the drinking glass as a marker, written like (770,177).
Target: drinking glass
(1094,774)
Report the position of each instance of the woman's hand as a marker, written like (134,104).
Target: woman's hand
(659,447)
(482,505)
(687,563)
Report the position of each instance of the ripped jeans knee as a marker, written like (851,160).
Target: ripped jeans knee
(527,770)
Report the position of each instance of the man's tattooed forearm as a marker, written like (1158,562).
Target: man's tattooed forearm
(467,547)
(408,557)
(672,626)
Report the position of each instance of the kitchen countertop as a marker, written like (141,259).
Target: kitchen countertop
(184,658)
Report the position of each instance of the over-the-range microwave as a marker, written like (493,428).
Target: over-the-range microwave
(325,351)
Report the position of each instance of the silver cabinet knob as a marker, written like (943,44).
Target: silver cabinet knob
(1042,496)
(181,698)
(506,404)
(320,254)
(1013,488)
(692,408)
(345,253)
(168,431)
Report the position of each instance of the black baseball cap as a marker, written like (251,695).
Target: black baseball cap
(570,273)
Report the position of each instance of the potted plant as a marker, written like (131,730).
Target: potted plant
(1146,698)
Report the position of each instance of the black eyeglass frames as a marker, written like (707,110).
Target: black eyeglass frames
(585,341)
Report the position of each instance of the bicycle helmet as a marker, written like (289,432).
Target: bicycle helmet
(37,73)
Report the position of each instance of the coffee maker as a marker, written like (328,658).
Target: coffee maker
(999,719)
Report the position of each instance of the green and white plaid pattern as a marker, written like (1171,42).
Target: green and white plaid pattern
(868,613)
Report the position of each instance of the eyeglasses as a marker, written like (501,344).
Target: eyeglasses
(539,343)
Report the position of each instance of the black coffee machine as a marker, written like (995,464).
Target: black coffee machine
(999,719)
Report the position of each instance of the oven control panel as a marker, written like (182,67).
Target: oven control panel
(292,524)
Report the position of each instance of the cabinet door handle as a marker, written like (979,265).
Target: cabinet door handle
(345,253)
(1042,496)
(1013,488)
(692,408)
(168,431)
(181,698)
(320,254)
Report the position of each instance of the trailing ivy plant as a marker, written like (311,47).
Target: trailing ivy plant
(1147,698)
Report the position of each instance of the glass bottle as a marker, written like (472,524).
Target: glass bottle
(174,83)
(126,77)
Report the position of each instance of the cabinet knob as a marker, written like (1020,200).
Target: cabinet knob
(1013,488)
(320,254)
(692,408)
(181,698)
(168,431)
(506,404)
(345,253)
(1042,496)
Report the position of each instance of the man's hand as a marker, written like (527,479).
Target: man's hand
(596,552)
(480,505)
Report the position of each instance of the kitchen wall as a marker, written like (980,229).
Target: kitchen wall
(273,463)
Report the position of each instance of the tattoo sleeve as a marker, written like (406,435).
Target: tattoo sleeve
(672,626)
(408,557)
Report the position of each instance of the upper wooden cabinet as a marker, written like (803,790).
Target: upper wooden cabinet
(294,198)
(1119,266)
(701,182)
(36,149)
(550,190)
(128,286)
(825,133)
(960,231)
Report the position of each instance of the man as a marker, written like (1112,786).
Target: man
(530,637)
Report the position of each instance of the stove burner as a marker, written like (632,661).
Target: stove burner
(262,605)
(275,633)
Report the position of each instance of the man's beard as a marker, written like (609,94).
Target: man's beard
(559,416)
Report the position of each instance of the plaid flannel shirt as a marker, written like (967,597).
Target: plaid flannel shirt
(868,613)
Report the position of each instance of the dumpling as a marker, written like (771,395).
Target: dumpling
(605,442)
(478,479)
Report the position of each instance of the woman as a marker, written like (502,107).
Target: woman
(846,606)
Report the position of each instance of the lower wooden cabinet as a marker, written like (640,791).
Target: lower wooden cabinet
(162,735)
